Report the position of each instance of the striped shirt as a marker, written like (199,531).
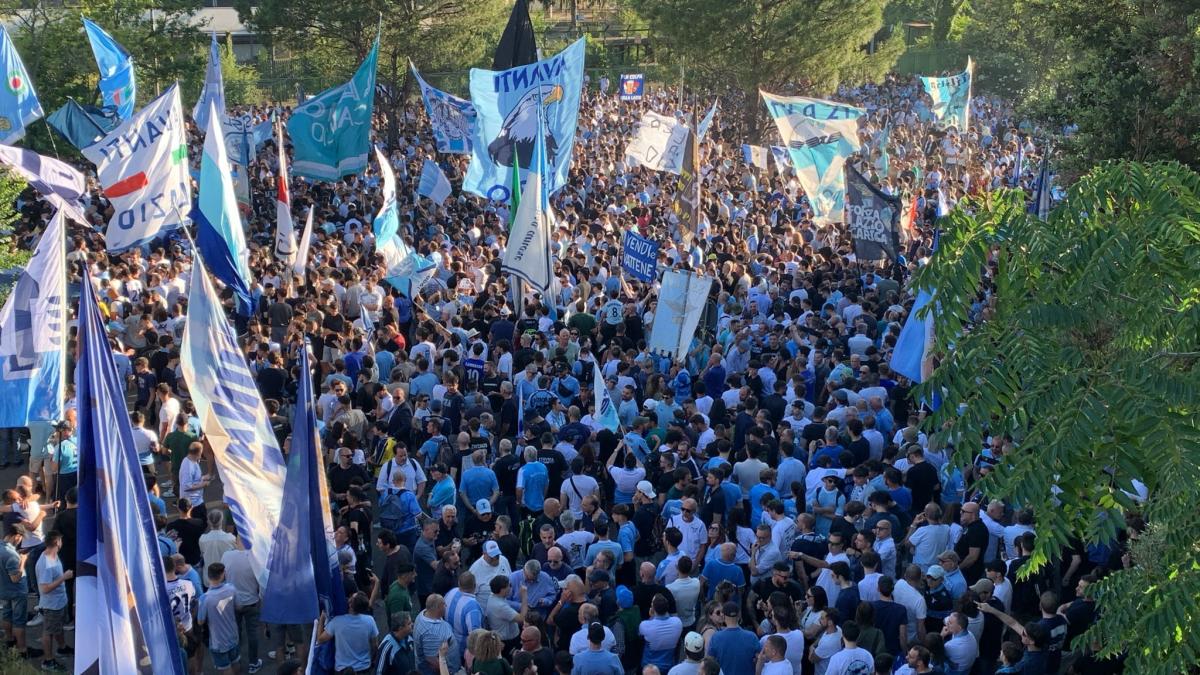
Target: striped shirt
(464,614)
(428,635)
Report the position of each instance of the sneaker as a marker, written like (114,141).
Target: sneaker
(70,625)
(32,652)
(255,666)
(52,666)
(65,651)
(36,620)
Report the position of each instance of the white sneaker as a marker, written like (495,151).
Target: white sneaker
(35,621)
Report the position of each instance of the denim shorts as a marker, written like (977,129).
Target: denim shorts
(15,610)
(224,660)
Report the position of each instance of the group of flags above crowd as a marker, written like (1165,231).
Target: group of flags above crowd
(518,129)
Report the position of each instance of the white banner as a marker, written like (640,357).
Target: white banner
(659,143)
(680,304)
(143,170)
(527,254)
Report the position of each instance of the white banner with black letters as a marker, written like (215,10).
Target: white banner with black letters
(659,143)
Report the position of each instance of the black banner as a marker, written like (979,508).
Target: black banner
(873,217)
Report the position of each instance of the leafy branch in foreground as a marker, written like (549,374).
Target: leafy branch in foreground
(1088,359)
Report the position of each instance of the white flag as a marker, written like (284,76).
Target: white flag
(659,143)
(680,304)
(143,170)
(433,183)
(527,255)
(285,232)
(301,263)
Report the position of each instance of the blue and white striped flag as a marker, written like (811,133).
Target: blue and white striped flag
(220,235)
(19,105)
(124,622)
(213,92)
(234,419)
(605,413)
(58,181)
(756,155)
(1018,165)
(33,333)
(303,563)
(407,270)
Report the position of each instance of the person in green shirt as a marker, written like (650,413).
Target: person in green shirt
(178,442)
(398,598)
(488,655)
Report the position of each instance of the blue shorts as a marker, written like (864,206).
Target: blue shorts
(225,660)
(14,610)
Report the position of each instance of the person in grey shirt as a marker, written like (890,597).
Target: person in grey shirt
(218,610)
(430,633)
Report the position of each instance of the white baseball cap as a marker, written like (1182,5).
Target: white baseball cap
(647,488)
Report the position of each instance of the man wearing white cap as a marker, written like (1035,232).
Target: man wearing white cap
(693,652)
(491,564)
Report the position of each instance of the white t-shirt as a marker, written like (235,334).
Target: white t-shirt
(167,414)
(827,645)
(578,487)
(856,661)
(783,667)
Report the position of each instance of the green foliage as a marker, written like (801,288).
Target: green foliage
(765,44)
(1089,360)
(241,81)
(1125,71)
(11,255)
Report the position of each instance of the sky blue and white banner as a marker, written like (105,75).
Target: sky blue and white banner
(33,334)
(780,155)
(639,256)
(19,105)
(331,132)
(234,419)
(123,617)
(605,413)
(873,218)
(303,562)
(300,267)
(508,102)
(452,118)
(528,254)
(633,86)
(83,125)
(407,270)
(951,97)
(756,155)
(117,85)
(819,136)
(659,143)
(58,181)
(143,170)
(706,122)
(433,183)
(680,303)
(220,235)
(213,92)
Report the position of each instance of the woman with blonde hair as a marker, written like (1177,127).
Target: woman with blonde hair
(487,651)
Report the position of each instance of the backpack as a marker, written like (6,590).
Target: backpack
(527,535)
(394,514)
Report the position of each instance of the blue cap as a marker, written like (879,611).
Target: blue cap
(624,597)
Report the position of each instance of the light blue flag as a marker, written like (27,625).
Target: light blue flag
(702,128)
(433,182)
(1018,165)
(819,136)
(234,419)
(117,85)
(605,413)
(407,270)
(331,131)
(885,162)
(33,325)
(303,564)
(220,235)
(263,132)
(19,105)
(951,97)
(507,103)
(452,118)
(1042,193)
(123,612)
(912,356)
(213,93)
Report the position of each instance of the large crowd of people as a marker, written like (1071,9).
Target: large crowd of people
(771,503)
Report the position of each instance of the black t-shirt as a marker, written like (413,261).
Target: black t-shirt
(792,589)
(861,449)
(889,616)
(567,622)
(922,480)
(358,521)
(340,479)
(643,594)
(974,535)
(556,465)
(645,517)
(715,502)
(1056,628)
(188,530)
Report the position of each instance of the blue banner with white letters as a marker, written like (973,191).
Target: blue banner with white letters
(639,256)
(633,86)
(507,104)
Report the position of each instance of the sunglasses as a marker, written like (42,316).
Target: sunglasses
(689,510)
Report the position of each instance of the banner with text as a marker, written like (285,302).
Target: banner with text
(951,97)
(639,256)
(659,143)
(873,217)
(633,86)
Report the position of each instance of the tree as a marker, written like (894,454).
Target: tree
(241,82)
(438,35)
(769,44)
(1124,71)
(12,256)
(1087,355)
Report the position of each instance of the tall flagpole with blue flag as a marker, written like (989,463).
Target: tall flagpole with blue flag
(605,413)
(912,356)
(19,105)
(213,93)
(219,232)
(304,579)
(117,85)
(1018,165)
(124,622)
